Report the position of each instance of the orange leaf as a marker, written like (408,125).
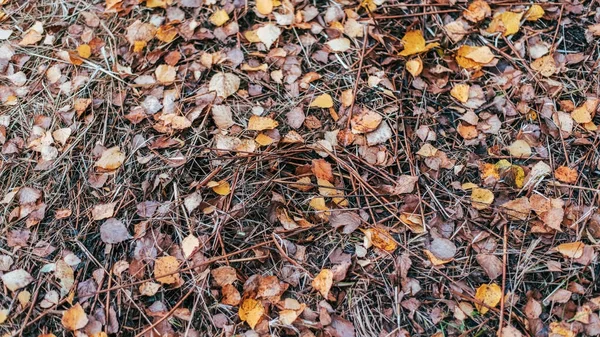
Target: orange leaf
(166,265)
(323,282)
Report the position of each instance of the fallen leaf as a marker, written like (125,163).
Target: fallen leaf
(490,264)
(74,318)
(268,34)
(517,209)
(414,66)
(231,296)
(470,57)
(461,92)
(323,282)
(477,11)
(251,312)
(573,250)
(114,231)
(534,13)
(189,245)
(32,35)
(365,121)
(165,74)
(264,7)
(520,149)
(224,84)
(16,279)
(257,123)
(545,65)
(169,266)
(103,211)
(221,188)
(322,101)
(338,45)
(507,23)
(110,160)
(379,238)
(149,288)
(414,43)
(481,198)
(224,275)
(566,174)
(585,112)
(488,294)
(84,51)
(219,17)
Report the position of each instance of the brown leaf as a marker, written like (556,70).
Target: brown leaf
(224,275)
(114,231)
(490,264)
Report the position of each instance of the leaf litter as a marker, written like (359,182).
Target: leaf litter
(345,168)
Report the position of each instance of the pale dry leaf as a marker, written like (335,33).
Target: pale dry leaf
(149,288)
(114,231)
(103,211)
(339,45)
(32,35)
(268,34)
(16,279)
(110,160)
(224,84)
(189,245)
(414,66)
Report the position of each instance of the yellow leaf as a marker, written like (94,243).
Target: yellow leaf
(414,43)
(251,311)
(327,189)
(74,318)
(461,92)
(520,149)
(585,112)
(561,330)
(264,7)
(24,297)
(84,50)
(110,160)
(490,295)
(323,282)
(156,3)
(138,46)
(257,123)
(534,13)
(481,198)
(414,66)
(369,4)
(480,55)
(322,101)
(219,17)
(318,204)
(380,238)
(507,23)
(477,11)
(489,171)
(166,265)
(251,36)
(427,150)
(572,250)
(263,140)
(545,65)
(221,188)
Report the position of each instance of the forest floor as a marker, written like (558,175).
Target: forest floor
(296,168)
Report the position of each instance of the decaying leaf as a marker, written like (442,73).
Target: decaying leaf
(481,198)
(224,84)
(166,270)
(110,160)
